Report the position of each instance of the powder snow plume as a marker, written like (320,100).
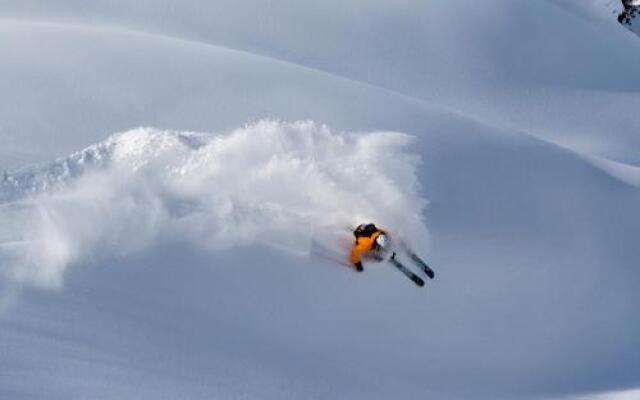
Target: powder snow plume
(270,182)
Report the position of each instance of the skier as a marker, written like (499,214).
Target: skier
(372,242)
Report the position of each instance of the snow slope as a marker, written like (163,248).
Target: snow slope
(161,263)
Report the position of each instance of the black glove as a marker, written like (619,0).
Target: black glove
(359,267)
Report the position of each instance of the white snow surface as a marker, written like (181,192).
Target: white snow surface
(202,255)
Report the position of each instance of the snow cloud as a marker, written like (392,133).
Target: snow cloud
(269,182)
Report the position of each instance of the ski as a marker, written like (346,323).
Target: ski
(427,270)
(406,271)
(419,261)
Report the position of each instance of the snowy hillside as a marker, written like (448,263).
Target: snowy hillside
(180,176)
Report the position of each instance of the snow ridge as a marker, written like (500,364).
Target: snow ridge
(269,182)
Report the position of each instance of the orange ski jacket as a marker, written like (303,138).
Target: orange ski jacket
(363,245)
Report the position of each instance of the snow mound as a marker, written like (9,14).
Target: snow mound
(270,183)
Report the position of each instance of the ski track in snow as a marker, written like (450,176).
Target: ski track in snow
(270,182)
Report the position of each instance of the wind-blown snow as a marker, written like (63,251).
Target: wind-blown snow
(269,182)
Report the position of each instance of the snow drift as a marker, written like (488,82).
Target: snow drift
(269,182)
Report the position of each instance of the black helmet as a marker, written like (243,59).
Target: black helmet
(365,230)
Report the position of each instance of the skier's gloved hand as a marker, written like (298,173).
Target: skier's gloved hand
(359,267)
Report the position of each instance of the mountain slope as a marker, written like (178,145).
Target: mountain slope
(162,263)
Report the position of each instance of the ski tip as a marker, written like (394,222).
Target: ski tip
(418,281)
